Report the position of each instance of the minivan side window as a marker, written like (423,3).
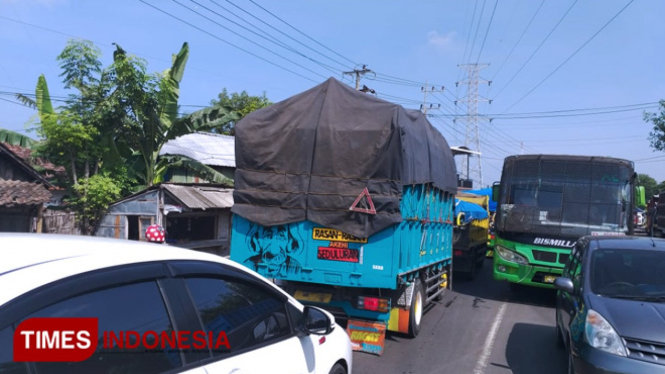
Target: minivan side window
(576,266)
(572,261)
(135,307)
(248,315)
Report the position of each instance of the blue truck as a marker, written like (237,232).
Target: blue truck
(346,201)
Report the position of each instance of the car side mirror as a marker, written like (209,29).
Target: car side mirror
(565,285)
(316,321)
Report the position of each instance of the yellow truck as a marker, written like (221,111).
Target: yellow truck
(470,233)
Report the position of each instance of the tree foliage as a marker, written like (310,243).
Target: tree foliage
(240,103)
(93,196)
(111,128)
(650,185)
(657,134)
(659,188)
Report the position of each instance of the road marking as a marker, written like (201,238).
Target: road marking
(489,342)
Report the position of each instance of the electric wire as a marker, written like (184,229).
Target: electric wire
(518,40)
(468,37)
(572,55)
(536,50)
(246,38)
(283,33)
(227,42)
(302,33)
(473,44)
(288,48)
(489,26)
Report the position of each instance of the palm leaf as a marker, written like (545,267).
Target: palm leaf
(170,88)
(44,105)
(30,103)
(212,118)
(182,162)
(14,138)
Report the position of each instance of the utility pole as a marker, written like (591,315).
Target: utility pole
(472,134)
(425,91)
(358,73)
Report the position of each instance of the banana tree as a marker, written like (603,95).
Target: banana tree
(14,138)
(151,118)
(167,162)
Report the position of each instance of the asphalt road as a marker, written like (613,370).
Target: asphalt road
(479,327)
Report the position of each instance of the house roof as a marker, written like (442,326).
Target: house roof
(192,195)
(26,154)
(14,193)
(201,196)
(207,148)
(21,163)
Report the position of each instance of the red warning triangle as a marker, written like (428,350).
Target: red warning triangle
(363,205)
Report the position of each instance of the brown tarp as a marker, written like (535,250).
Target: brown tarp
(310,156)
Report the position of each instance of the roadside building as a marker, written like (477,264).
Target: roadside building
(194,215)
(214,150)
(23,193)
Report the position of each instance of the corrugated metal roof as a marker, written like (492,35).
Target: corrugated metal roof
(207,148)
(201,197)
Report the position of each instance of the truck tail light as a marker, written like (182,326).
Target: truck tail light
(457,253)
(376,304)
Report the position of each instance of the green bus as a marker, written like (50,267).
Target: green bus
(547,202)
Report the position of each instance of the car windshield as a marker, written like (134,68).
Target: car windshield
(628,273)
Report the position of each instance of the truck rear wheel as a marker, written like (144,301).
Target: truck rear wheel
(417,307)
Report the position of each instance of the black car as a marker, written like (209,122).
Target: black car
(610,314)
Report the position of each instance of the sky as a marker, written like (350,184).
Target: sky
(563,76)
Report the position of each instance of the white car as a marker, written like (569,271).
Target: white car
(158,289)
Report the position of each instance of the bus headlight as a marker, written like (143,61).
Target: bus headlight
(511,256)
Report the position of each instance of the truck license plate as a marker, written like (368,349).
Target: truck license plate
(314,297)
(550,278)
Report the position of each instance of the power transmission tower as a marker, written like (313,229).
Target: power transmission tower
(424,106)
(472,133)
(358,73)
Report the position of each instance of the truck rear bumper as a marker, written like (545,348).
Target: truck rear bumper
(531,275)
(339,302)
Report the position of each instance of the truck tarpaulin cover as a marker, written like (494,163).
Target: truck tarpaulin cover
(310,157)
(471,211)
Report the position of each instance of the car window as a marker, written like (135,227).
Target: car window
(628,272)
(247,314)
(573,267)
(136,307)
(573,264)
(570,262)
(7,354)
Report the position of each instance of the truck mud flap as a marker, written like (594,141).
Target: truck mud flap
(367,336)
(399,320)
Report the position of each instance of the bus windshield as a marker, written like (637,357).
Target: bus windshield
(569,198)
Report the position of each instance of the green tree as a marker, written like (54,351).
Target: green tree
(659,188)
(109,132)
(657,134)
(94,194)
(146,106)
(241,103)
(650,185)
